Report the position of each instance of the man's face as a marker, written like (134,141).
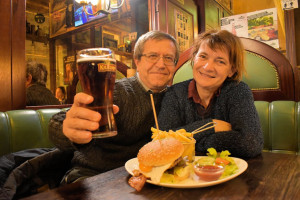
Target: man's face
(156,75)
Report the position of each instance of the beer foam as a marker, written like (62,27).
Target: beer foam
(91,59)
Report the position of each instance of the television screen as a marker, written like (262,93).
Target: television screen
(81,17)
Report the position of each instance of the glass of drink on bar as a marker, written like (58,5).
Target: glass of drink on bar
(97,71)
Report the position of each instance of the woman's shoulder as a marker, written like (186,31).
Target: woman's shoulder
(181,85)
(236,90)
(230,85)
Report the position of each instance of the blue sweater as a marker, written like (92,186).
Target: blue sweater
(234,105)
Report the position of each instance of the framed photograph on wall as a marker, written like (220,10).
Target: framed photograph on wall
(69,69)
(110,43)
(181,25)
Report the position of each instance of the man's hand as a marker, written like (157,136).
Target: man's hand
(81,121)
(222,125)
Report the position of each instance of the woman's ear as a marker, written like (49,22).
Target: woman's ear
(232,72)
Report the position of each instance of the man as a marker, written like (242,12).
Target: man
(36,91)
(155,56)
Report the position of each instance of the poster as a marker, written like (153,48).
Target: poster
(259,25)
(183,29)
(69,69)
(289,4)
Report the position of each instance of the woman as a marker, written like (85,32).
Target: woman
(215,94)
(60,94)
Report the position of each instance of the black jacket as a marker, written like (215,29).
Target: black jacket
(28,172)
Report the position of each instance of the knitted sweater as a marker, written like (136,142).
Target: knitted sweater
(37,94)
(134,122)
(234,105)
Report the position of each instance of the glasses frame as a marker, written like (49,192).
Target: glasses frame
(159,56)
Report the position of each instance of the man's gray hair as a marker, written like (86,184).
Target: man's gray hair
(38,72)
(153,35)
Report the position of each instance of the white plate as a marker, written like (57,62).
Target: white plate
(192,182)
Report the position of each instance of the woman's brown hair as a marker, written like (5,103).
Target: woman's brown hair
(224,40)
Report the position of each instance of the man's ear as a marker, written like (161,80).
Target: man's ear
(137,63)
(28,80)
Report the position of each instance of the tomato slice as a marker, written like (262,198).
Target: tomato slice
(221,161)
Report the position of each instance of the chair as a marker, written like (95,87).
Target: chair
(269,74)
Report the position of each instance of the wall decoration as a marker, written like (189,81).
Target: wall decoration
(57,22)
(39,18)
(183,29)
(259,25)
(110,43)
(289,4)
(69,69)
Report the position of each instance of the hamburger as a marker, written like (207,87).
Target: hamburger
(161,161)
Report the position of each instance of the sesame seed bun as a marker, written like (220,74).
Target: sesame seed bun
(160,152)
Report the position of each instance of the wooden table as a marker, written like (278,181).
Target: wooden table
(269,176)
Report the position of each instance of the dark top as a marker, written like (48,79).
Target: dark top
(234,104)
(38,95)
(134,122)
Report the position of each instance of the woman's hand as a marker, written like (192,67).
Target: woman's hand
(221,125)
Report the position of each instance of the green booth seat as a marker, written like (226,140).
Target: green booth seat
(280,122)
(24,129)
(261,73)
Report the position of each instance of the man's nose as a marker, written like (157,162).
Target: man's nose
(160,62)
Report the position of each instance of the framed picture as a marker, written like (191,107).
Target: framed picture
(69,69)
(110,43)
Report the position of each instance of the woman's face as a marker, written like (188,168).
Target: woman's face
(211,68)
(58,94)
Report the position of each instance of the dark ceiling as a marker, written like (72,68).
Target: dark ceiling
(40,6)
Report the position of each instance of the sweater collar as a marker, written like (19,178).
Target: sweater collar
(146,88)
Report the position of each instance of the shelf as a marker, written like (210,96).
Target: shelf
(122,53)
(35,38)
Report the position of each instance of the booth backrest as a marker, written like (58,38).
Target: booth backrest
(280,122)
(269,74)
(24,129)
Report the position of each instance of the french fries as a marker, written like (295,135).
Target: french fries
(180,135)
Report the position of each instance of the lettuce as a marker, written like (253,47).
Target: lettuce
(224,154)
(229,170)
(212,152)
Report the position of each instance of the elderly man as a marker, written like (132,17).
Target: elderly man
(36,92)
(155,55)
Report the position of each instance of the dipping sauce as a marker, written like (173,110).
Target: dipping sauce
(209,172)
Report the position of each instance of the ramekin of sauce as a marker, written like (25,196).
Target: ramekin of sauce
(209,172)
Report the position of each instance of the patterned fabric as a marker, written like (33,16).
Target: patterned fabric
(134,122)
(234,104)
(38,95)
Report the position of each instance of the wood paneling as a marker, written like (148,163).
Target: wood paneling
(5,52)
(12,51)
(18,55)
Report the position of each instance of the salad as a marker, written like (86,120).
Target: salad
(218,159)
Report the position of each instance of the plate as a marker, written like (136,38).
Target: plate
(193,181)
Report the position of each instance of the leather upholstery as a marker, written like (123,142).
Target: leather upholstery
(261,74)
(280,123)
(24,129)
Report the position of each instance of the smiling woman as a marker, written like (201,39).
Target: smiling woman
(215,94)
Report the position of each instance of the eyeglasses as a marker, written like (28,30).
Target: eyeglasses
(154,58)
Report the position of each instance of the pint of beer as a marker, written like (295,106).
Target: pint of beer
(97,72)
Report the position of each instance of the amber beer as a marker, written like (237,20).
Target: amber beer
(97,72)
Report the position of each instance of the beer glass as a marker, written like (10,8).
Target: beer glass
(97,71)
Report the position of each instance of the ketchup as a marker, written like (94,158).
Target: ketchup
(209,172)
